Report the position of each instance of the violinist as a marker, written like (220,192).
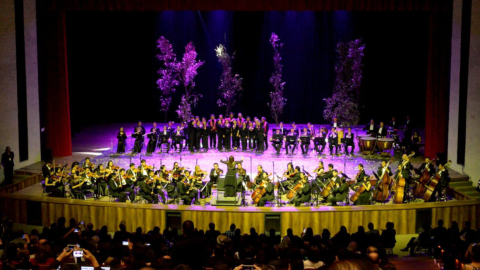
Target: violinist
(116,188)
(364,198)
(130,180)
(220,132)
(328,174)
(186,190)
(102,183)
(153,138)
(277,141)
(242,173)
(269,190)
(146,191)
(88,164)
(214,174)
(333,141)
(110,167)
(212,132)
(341,190)
(303,194)
(177,137)
(138,135)
(122,137)
(156,184)
(76,187)
(47,170)
(243,135)
(319,140)
(53,183)
(176,171)
(163,182)
(199,175)
(142,169)
(88,181)
(164,139)
(349,141)
(74,171)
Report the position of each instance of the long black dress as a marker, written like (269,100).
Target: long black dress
(231,177)
(364,198)
(121,142)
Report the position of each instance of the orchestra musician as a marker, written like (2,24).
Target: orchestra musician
(146,191)
(153,138)
(47,170)
(335,123)
(199,175)
(74,171)
(304,141)
(319,139)
(283,130)
(384,169)
(53,181)
(170,127)
(364,198)
(406,166)
(361,173)
(303,195)
(187,191)
(88,181)
(333,141)
(164,139)
(138,135)
(156,184)
(292,175)
(220,132)
(427,165)
(311,129)
(163,183)
(394,124)
(416,141)
(349,141)
(319,172)
(341,190)
(291,140)
(259,178)
(214,174)
(440,189)
(371,128)
(277,141)
(177,139)
(88,164)
(131,179)
(266,128)
(243,134)
(76,187)
(242,173)
(101,180)
(382,131)
(269,191)
(212,133)
(116,190)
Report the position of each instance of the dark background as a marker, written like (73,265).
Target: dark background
(112,64)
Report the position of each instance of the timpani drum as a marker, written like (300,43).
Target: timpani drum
(368,145)
(359,137)
(385,144)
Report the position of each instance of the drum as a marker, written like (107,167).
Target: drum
(385,144)
(340,135)
(368,145)
(359,137)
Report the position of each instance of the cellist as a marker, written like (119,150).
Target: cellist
(341,190)
(364,198)
(269,189)
(304,193)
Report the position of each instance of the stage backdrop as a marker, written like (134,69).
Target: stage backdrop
(111,59)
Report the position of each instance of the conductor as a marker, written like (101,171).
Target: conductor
(231,176)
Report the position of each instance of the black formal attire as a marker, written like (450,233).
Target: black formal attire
(364,198)
(163,139)
(244,137)
(121,142)
(442,184)
(7,163)
(388,238)
(116,191)
(303,195)
(340,194)
(291,181)
(268,196)
(235,138)
(213,180)
(260,138)
(153,138)
(430,166)
(252,138)
(231,178)
(191,135)
(227,141)
(371,129)
(304,143)
(220,139)
(333,142)
(291,143)
(186,197)
(382,132)
(277,144)
(158,188)
(56,190)
(177,140)
(266,128)
(146,192)
(212,134)
(138,142)
(406,166)
(349,141)
(205,134)
(319,140)
(76,189)
(198,136)
(359,177)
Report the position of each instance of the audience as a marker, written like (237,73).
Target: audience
(194,249)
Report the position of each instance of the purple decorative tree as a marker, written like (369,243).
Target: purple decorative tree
(230,84)
(344,102)
(277,101)
(187,70)
(168,74)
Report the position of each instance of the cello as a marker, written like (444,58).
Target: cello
(258,192)
(383,187)
(329,187)
(357,194)
(433,184)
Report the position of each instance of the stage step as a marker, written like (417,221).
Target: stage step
(227,201)
(461,184)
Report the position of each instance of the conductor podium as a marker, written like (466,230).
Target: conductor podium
(228,191)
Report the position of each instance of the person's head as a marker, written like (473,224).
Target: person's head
(297,168)
(370,226)
(178,128)
(154,124)
(441,166)
(215,166)
(304,129)
(121,129)
(290,166)
(87,160)
(427,160)
(371,122)
(175,164)
(110,163)
(415,133)
(188,228)
(233,227)
(440,223)
(211,226)
(281,124)
(330,166)
(239,165)
(361,229)
(390,225)
(467,224)
(132,165)
(259,168)
(143,162)
(314,254)
(293,124)
(334,129)
(335,173)
(320,163)
(384,163)
(230,159)
(360,166)
(374,258)
(277,131)
(349,129)
(296,265)
(381,124)
(302,176)
(334,119)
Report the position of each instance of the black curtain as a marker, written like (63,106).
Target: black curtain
(112,64)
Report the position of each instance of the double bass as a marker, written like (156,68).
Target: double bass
(420,185)
(399,189)
(430,188)
(383,187)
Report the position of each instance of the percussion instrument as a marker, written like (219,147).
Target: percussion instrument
(385,144)
(360,142)
(368,145)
